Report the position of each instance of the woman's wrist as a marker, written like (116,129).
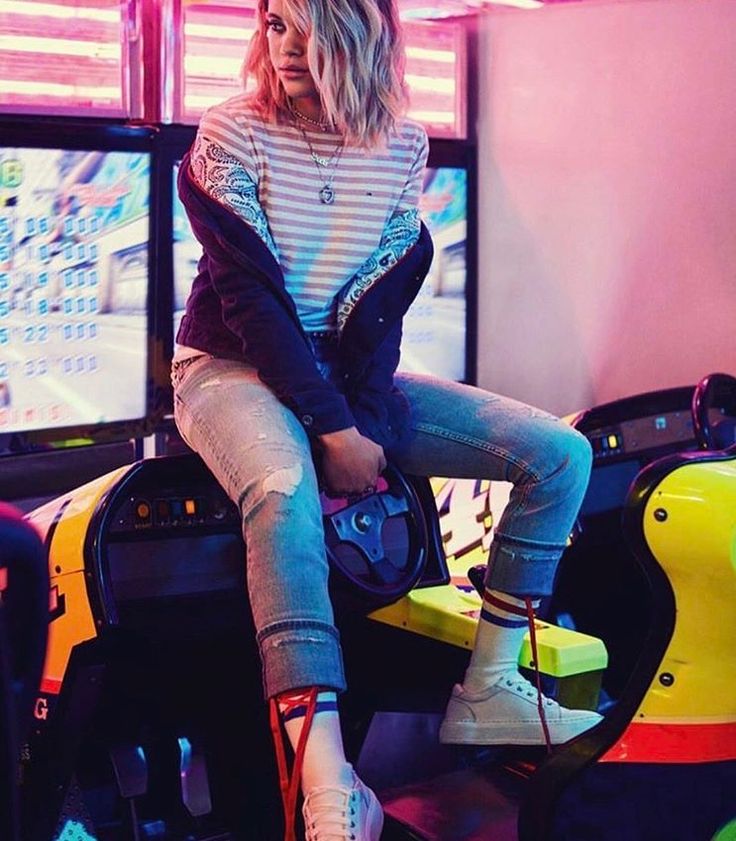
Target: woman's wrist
(338,436)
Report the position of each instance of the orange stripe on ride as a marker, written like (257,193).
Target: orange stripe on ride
(674,743)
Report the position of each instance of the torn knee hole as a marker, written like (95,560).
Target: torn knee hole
(285,480)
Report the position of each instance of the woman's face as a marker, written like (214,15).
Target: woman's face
(287,49)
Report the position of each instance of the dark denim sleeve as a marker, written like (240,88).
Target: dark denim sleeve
(381,411)
(263,319)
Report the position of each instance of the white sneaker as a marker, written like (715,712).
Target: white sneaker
(342,813)
(507,714)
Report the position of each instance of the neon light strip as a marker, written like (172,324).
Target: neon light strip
(519,4)
(52,10)
(95,93)
(59,46)
(427,13)
(445,56)
(227,68)
(220,33)
(435,12)
(435,84)
(432,116)
(195,102)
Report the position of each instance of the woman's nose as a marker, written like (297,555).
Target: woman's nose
(292,44)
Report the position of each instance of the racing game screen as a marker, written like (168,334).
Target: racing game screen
(434,337)
(74,232)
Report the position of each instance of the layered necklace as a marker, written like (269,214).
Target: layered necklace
(326,166)
(312,122)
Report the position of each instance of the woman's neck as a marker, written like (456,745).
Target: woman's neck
(307,109)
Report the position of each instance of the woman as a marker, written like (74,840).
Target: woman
(304,197)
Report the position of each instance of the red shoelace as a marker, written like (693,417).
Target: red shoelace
(289,785)
(535,656)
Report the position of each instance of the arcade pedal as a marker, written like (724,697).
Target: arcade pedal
(472,804)
(195,786)
(131,770)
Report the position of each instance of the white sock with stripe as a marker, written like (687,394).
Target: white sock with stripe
(324,756)
(501,628)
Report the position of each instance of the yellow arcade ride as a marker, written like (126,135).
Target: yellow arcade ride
(663,763)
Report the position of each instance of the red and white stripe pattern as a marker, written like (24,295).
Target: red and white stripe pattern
(504,610)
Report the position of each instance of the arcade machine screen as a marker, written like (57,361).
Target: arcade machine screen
(74,271)
(435,327)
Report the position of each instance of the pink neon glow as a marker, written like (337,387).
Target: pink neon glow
(65,55)
(61,54)
(435,65)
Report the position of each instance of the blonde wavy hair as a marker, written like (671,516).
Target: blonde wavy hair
(355,53)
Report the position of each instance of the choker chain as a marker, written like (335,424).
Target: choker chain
(312,122)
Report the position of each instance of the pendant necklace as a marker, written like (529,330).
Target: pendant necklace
(327,193)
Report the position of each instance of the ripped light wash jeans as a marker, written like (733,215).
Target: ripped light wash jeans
(260,453)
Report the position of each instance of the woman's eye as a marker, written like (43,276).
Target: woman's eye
(275,25)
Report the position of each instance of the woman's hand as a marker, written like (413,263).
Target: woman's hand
(351,463)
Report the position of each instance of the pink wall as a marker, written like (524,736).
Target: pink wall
(607,174)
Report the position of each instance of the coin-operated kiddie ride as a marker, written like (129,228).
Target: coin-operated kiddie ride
(150,721)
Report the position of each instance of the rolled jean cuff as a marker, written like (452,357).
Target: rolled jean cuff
(522,568)
(298,653)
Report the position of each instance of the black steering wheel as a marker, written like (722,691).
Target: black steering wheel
(715,391)
(377,544)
